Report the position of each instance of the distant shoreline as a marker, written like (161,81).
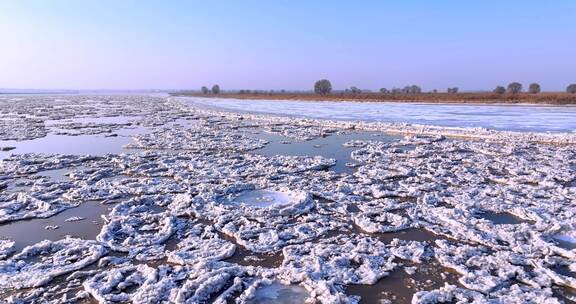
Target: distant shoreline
(40,93)
(434,98)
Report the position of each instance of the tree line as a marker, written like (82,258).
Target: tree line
(324,87)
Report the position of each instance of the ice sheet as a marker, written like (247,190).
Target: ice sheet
(500,117)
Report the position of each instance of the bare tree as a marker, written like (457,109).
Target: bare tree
(514,88)
(414,89)
(571,89)
(215,89)
(500,90)
(534,88)
(355,90)
(452,90)
(204,90)
(323,87)
(384,91)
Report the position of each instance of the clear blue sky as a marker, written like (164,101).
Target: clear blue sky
(124,44)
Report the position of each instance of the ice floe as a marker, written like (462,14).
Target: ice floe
(38,264)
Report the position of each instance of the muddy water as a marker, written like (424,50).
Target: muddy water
(400,286)
(245,257)
(568,295)
(411,234)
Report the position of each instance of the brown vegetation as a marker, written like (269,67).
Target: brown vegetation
(489,97)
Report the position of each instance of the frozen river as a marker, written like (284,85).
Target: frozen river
(533,118)
(145,199)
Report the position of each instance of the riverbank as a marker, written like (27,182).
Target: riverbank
(457,98)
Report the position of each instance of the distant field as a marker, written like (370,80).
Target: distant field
(541,98)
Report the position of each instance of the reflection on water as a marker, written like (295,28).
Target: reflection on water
(94,120)
(502,218)
(57,175)
(261,198)
(329,147)
(100,144)
(29,232)
(565,241)
(279,293)
(501,117)
(70,145)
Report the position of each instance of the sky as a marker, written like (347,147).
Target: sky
(124,44)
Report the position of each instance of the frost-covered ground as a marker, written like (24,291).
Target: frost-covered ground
(160,201)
